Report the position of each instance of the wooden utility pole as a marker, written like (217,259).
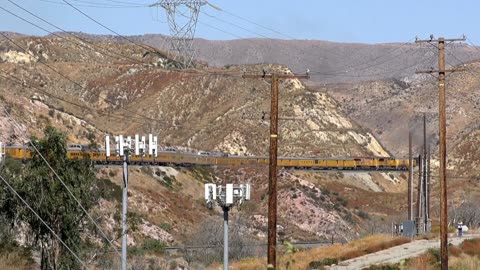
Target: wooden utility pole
(272,172)
(443,143)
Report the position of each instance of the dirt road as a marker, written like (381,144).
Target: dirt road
(396,254)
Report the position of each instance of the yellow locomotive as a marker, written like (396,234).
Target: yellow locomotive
(173,157)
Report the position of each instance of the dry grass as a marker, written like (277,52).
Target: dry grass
(350,250)
(471,247)
(464,262)
(422,262)
(464,257)
(15,260)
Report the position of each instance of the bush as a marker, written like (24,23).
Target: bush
(382,267)
(471,247)
(112,173)
(435,252)
(154,246)
(168,181)
(109,190)
(363,215)
(324,262)
(166,227)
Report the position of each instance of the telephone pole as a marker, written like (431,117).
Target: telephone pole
(272,172)
(443,143)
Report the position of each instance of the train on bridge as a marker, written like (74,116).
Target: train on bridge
(169,157)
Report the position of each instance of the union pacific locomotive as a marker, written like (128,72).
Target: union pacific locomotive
(174,157)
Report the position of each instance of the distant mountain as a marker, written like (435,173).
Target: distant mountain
(190,111)
(328,61)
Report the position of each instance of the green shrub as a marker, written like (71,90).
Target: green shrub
(382,267)
(112,173)
(435,252)
(166,227)
(324,262)
(109,190)
(154,246)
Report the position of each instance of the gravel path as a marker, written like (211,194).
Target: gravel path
(396,254)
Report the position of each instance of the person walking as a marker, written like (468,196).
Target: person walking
(460,228)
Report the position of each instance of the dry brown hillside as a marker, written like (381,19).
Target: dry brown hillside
(193,110)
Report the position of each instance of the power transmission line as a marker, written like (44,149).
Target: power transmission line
(257,24)
(61,181)
(109,5)
(26,86)
(69,33)
(76,83)
(232,24)
(90,6)
(44,223)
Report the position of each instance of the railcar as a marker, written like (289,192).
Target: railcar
(98,156)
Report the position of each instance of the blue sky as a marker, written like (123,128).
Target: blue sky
(363,21)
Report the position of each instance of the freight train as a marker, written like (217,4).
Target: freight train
(170,157)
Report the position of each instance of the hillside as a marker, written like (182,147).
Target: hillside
(194,110)
(330,62)
(390,108)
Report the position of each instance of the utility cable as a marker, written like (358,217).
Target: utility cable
(90,6)
(44,223)
(63,183)
(63,38)
(71,34)
(108,28)
(110,5)
(76,83)
(26,86)
(234,25)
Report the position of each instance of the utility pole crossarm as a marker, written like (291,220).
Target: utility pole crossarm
(285,76)
(438,71)
(440,39)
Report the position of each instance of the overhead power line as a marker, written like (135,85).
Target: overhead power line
(25,85)
(43,222)
(108,53)
(61,181)
(92,5)
(77,84)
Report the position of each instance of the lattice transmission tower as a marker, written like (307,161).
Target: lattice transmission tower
(182,16)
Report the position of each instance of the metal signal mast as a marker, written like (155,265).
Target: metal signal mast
(182,16)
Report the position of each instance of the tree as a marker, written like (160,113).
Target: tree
(210,235)
(41,188)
